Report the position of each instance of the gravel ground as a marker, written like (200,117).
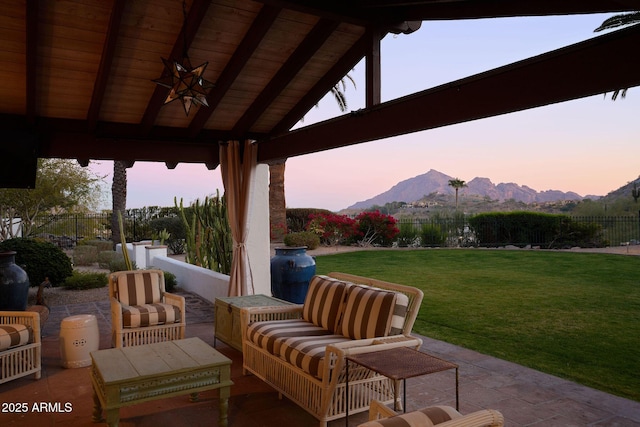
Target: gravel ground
(61,296)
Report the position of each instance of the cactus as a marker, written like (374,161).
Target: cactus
(208,242)
(635,192)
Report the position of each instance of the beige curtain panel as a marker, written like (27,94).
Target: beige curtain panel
(237,166)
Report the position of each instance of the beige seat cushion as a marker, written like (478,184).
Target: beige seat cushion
(308,353)
(270,334)
(150,315)
(14,335)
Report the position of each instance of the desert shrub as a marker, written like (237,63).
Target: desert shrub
(408,234)
(118,264)
(302,238)
(299,218)
(176,229)
(332,229)
(101,245)
(170,281)
(106,257)
(85,280)
(85,255)
(431,235)
(375,228)
(40,260)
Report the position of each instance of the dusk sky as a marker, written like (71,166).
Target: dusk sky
(588,146)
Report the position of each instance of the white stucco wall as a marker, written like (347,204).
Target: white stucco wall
(258,245)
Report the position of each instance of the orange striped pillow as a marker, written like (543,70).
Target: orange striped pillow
(138,288)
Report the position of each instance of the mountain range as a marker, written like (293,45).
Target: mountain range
(413,189)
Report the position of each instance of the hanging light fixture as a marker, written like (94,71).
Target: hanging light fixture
(184,81)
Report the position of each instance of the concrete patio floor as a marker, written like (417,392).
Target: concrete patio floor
(526,397)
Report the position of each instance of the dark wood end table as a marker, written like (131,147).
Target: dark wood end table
(398,364)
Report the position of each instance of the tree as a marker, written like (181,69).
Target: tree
(62,185)
(457,184)
(277,201)
(614,22)
(118,197)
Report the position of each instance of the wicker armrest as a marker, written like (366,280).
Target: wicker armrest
(377,344)
(28,318)
(177,300)
(379,410)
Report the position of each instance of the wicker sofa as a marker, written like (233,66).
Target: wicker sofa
(300,350)
(20,345)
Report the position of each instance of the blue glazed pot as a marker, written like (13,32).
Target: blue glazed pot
(291,270)
(14,283)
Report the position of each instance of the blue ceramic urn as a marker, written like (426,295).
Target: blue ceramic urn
(14,283)
(291,270)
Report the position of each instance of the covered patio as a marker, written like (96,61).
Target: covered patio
(524,396)
(87,82)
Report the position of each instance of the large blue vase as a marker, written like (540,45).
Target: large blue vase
(291,270)
(14,283)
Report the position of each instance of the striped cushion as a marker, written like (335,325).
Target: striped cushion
(13,335)
(367,312)
(138,288)
(423,418)
(399,314)
(150,315)
(323,303)
(269,335)
(307,353)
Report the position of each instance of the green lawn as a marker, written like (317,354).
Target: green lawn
(574,315)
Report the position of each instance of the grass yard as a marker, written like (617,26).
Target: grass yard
(574,315)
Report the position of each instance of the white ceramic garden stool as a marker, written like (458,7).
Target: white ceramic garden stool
(79,336)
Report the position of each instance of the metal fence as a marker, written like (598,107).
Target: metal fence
(67,229)
(586,231)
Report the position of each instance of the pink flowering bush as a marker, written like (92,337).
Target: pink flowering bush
(333,229)
(375,228)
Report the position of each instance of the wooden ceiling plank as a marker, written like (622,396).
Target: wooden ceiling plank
(483,95)
(194,18)
(32,58)
(242,54)
(305,50)
(106,61)
(338,71)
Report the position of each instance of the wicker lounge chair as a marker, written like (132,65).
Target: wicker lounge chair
(142,312)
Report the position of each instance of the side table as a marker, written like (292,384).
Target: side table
(227,316)
(398,364)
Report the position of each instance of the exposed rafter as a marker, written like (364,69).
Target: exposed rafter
(243,53)
(311,43)
(537,81)
(32,59)
(105,63)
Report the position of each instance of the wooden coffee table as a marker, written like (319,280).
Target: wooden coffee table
(130,375)
(398,364)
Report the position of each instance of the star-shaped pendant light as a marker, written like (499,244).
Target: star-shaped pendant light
(185,83)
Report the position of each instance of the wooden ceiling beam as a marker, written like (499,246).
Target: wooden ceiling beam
(106,60)
(32,10)
(242,54)
(303,53)
(188,32)
(583,69)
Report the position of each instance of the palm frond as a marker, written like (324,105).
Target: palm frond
(618,21)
